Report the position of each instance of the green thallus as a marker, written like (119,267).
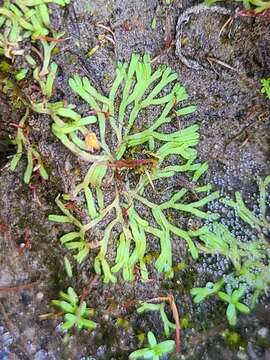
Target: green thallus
(137,88)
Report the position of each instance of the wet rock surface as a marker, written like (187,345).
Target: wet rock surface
(234,123)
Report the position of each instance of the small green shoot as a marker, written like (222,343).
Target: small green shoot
(21,74)
(47,53)
(74,240)
(234,305)
(154,350)
(167,324)
(210,289)
(46,83)
(22,19)
(68,267)
(75,314)
(256,222)
(34,161)
(266,87)
(219,240)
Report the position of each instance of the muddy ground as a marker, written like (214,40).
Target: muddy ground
(234,120)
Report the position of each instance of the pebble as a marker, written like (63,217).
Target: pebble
(263,336)
(41,355)
(101,351)
(241,355)
(39,296)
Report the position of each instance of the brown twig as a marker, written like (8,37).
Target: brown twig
(177,322)
(170,299)
(18,287)
(107,28)
(51,315)
(87,288)
(222,63)
(227,22)
(212,67)
(35,195)
(130,164)
(36,51)
(244,143)
(50,39)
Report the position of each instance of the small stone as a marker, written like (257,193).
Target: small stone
(6,339)
(41,355)
(263,336)
(39,296)
(101,351)
(241,355)
(4,355)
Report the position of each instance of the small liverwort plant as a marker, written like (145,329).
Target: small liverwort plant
(234,305)
(200,294)
(154,350)
(257,222)
(249,256)
(219,240)
(75,314)
(21,19)
(46,84)
(210,289)
(147,155)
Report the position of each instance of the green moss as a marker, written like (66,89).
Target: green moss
(185,322)
(121,322)
(234,339)
(141,336)
(5,68)
(188,278)
(181,266)
(106,77)
(197,42)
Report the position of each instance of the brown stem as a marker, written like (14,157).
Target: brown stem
(118,164)
(177,323)
(18,287)
(171,301)
(87,288)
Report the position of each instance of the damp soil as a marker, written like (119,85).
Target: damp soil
(234,124)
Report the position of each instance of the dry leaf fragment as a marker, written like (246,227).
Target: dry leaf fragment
(92,142)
